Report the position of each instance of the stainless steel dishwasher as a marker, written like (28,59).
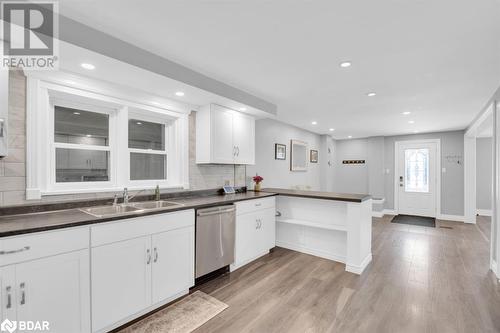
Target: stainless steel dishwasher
(215,234)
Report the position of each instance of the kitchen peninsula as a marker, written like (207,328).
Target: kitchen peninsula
(334,226)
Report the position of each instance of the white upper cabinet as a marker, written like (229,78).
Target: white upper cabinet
(244,138)
(224,136)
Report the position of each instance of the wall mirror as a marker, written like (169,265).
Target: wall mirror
(298,155)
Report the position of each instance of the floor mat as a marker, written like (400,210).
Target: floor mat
(181,317)
(415,220)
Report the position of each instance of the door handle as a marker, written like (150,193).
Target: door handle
(9,297)
(156,254)
(23,293)
(238,150)
(148,254)
(26,248)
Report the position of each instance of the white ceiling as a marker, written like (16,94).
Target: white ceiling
(440,60)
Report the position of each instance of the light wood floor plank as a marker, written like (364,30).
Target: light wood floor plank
(421,280)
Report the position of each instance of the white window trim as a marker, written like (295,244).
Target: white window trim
(52,185)
(169,146)
(40,146)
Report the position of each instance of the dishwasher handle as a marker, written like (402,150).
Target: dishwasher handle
(217,211)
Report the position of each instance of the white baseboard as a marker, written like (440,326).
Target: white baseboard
(494,268)
(389,212)
(484,212)
(359,269)
(235,266)
(377,214)
(313,252)
(143,312)
(454,218)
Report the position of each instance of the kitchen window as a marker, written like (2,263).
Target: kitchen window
(81,143)
(84,142)
(147,148)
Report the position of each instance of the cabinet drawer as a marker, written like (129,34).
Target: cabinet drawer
(140,226)
(42,244)
(249,206)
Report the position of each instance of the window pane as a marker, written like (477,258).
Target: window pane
(146,135)
(81,127)
(417,170)
(80,165)
(147,166)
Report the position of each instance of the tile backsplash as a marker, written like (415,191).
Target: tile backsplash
(13,167)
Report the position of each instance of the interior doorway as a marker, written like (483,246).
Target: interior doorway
(418,181)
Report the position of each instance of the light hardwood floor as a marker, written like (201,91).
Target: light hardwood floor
(421,280)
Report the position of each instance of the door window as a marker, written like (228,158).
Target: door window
(417,170)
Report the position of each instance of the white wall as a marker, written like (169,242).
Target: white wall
(277,173)
(484,173)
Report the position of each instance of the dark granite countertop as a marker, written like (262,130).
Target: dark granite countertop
(320,195)
(11,225)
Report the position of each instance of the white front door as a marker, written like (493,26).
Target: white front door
(416,178)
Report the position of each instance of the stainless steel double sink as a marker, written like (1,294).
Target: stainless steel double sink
(131,208)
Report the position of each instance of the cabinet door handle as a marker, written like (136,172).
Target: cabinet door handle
(148,254)
(257,224)
(23,294)
(238,149)
(9,297)
(26,248)
(156,254)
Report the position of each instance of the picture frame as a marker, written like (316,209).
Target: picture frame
(298,155)
(279,151)
(313,156)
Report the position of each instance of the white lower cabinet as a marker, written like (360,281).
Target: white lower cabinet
(131,277)
(255,230)
(45,277)
(53,290)
(121,280)
(133,266)
(173,263)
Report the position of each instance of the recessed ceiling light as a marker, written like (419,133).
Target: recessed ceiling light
(155,103)
(371,94)
(76,113)
(88,135)
(138,123)
(345,64)
(406,113)
(314,123)
(332,129)
(416,132)
(70,82)
(411,122)
(87,66)
(179,93)
(243,109)
(350,136)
